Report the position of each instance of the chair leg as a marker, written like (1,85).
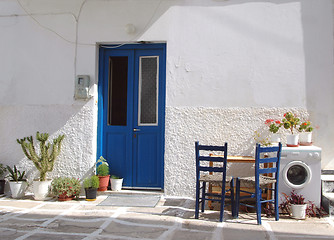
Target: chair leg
(197,200)
(222,204)
(232,197)
(276,203)
(203,195)
(258,205)
(237,198)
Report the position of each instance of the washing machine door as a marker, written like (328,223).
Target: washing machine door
(297,174)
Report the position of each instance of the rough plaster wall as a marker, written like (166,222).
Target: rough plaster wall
(76,122)
(236,126)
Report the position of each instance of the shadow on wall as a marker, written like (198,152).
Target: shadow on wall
(75,121)
(318,48)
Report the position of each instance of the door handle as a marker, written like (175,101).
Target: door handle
(136,130)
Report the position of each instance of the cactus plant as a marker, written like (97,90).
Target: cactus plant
(44,162)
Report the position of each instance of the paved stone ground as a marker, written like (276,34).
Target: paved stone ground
(172,218)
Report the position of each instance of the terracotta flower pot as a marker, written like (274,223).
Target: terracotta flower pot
(64,197)
(104,182)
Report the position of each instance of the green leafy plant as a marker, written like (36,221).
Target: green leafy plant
(3,169)
(66,185)
(103,170)
(305,127)
(103,167)
(15,174)
(115,177)
(44,162)
(290,121)
(91,182)
(274,125)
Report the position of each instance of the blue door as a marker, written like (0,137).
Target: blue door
(132,112)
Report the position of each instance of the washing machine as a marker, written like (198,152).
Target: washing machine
(300,170)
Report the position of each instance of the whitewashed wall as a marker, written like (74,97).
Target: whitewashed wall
(230,65)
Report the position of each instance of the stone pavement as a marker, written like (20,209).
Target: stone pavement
(172,218)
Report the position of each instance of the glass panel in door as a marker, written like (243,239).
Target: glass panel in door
(148,90)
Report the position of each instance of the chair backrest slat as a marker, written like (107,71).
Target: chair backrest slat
(211,148)
(211,169)
(268,149)
(268,160)
(211,159)
(267,170)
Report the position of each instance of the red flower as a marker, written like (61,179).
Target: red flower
(278,122)
(305,123)
(268,121)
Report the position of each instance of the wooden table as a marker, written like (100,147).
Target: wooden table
(240,159)
(237,159)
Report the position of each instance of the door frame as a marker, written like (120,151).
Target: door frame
(162,92)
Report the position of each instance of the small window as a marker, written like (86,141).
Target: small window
(118,85)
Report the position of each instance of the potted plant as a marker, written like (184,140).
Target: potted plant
(91,185)
(295,205)
(305,133)
(274,126)
(44,161)
(3,170)
(66,188)
(290,121)
(103,174)
(17,182)
(116,183)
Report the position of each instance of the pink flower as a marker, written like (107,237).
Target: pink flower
(268,121)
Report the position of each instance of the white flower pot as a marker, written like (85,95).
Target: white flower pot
(305,138)
(275,138)
(116,184)
(298,211)
(41,189)
(292,140)
(18,189)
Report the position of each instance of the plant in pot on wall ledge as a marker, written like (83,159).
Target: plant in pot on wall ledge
(44,161)
(3,170)
(91,185)
(305,133)
(103,174)
(116,183)
(17,182)
(274,126)
(66,188)
(290,122)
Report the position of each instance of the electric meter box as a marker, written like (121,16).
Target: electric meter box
(82,84)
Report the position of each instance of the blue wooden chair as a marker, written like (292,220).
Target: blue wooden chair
(264,177)
(215,174)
